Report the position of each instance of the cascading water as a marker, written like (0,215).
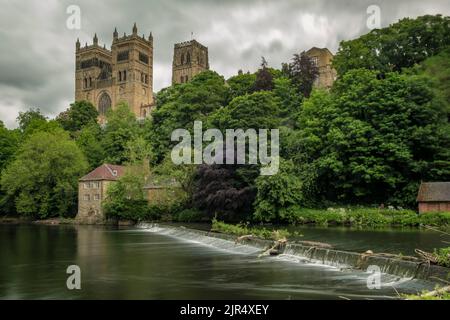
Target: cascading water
(396,269)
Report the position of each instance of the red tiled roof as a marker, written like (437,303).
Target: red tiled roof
(105,172)
(434,192)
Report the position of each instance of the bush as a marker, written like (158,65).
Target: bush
(443,257)
(243,229)
(188,215)
(365,217)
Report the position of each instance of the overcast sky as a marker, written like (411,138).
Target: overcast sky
(37,49)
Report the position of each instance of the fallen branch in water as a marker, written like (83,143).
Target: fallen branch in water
(400,257)
(244,238)
(316,244)
(275,249)
(427,256)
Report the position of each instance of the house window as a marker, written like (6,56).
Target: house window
(86,185)
(96,197)
(86,197)
(95,185)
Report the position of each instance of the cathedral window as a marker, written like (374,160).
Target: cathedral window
(90,82)
(188,58)
(104,104)
(146,78)
(85,83)
(123,56)
(120,76)
(182,58)
(143,58)
(186,79)
(125,75)
(182,79)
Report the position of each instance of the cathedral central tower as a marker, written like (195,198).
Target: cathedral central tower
(123,74)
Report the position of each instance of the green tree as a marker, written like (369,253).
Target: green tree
(9,143)
(303,72)
(79,114)
(264,78)
(42,181)
(40,125)
(279,195)
(125,198)
(122,127)
(25,118)
(179,106)
(229,190)
(401,45)
(259,110)
(289,100)
(241,84)
(89,140)
(372,140)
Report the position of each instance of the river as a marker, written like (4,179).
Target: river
(138,264)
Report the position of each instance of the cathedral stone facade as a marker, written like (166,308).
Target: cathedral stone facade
(189,59)
(123,74)
(322,58)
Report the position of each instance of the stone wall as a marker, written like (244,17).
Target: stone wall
(91,195)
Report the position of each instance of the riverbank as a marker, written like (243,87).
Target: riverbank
(26,220)
(352,217)
(371,217)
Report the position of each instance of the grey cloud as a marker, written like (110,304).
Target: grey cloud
(37,50)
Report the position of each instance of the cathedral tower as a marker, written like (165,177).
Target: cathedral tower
(189,59)
(123,74)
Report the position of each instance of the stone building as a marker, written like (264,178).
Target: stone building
(434,197)
(92,190)
(322,58)
(189,59)
(123,74)
(159,190)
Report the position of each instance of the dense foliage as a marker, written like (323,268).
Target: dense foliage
(80,114)
(401,45)
(42,180)
(372,140)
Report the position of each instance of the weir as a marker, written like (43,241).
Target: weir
(335,258)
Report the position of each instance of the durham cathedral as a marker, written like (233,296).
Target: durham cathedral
(125,73)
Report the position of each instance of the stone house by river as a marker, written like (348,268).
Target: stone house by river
(434,197)
(92,190)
